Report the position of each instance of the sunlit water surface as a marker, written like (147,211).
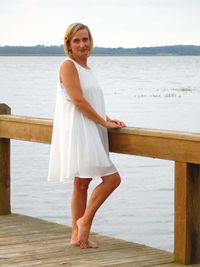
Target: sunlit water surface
(149,92)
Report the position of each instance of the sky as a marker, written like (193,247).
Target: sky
(113,23)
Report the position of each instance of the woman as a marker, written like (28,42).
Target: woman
(79,146)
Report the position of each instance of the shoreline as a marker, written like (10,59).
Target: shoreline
(100,55)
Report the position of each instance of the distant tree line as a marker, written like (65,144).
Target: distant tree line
(180,50)
(31,50)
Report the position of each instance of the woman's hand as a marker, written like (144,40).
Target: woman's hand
(114,123)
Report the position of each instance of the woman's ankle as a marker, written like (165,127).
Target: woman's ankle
(74,235)
(84,220)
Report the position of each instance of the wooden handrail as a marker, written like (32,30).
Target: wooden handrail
(162,144)
(181,147)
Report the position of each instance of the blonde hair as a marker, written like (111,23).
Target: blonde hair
(71,30)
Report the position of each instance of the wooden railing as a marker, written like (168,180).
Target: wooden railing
(181,147)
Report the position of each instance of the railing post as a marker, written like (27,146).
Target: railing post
(187,213)
(4,169)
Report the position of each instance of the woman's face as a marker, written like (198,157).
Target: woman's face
(80,43)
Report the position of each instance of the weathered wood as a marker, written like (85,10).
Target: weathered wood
(26,128)
(4,109)
(182,147)
(37,248)
(176,265)
(187,213)
(4,169)
(177,146)
(143,264)
(170,145)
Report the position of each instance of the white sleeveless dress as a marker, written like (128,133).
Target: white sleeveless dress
(79,146)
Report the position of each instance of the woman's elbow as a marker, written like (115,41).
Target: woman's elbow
(78,103)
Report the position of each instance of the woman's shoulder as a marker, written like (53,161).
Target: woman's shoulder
(68,70)
(68,63)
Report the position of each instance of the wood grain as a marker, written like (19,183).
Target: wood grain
(187,213)
(4,169)
(169,145)
(181,147)
(47,244)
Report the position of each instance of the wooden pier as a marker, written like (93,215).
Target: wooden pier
(26,241)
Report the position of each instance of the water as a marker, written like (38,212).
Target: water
(149,92)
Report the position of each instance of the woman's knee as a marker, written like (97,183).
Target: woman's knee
(117,180)
(113,181)
(82,184)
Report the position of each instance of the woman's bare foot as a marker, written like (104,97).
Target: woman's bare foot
(83,231)
(89,244)
(74,242)
(83,235)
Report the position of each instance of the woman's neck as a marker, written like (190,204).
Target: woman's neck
(81,60)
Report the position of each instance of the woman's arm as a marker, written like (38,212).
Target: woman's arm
(70,80)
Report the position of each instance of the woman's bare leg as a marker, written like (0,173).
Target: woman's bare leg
(78,204)
(98,196)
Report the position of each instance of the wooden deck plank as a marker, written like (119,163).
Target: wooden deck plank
(27,241)
(149,264)
(90,259)
(177,265)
